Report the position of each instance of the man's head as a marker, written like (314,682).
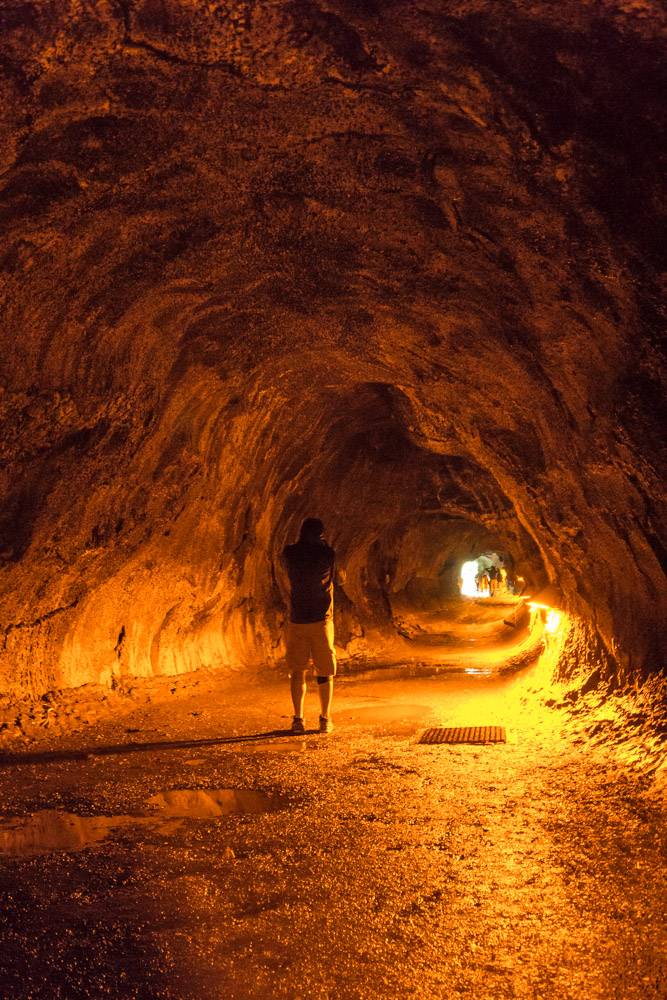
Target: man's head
(311,530)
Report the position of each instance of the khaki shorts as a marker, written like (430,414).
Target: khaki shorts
(316,640)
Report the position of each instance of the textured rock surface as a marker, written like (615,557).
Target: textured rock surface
(395,265)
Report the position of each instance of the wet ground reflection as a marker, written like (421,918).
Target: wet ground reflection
(509,870)
(402,720)
(405,671)
(52,830)
(195,803)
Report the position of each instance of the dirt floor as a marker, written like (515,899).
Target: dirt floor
(190,848)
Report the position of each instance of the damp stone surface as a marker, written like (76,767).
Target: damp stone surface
(391,870)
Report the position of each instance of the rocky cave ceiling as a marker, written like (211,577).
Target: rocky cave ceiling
(393,264)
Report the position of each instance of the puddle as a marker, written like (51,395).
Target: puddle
(195,803)
(279,746)
(387,719)
(54,830)
(378,715)
(400,730)
(403,671)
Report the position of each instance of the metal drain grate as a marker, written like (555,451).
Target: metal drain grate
(465,734)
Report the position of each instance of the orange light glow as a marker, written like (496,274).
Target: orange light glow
(553,620)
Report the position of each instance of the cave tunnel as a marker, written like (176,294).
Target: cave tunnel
(396,266)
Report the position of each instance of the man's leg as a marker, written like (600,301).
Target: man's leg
(325,691)
(298,686)
(324,661)
(297,654)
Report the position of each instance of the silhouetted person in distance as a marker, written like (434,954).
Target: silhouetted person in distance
(311,567)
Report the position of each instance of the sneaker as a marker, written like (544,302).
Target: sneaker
(326,725)
(298,728)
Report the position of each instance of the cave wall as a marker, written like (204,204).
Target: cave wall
(368,261)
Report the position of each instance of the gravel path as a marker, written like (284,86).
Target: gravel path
(382,868)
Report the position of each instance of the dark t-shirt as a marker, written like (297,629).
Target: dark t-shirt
(310,568)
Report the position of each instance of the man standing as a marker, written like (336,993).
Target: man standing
(310,566)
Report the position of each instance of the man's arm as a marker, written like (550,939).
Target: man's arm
(337,575)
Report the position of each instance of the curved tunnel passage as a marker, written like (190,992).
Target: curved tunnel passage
(396,265)
(344,262)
